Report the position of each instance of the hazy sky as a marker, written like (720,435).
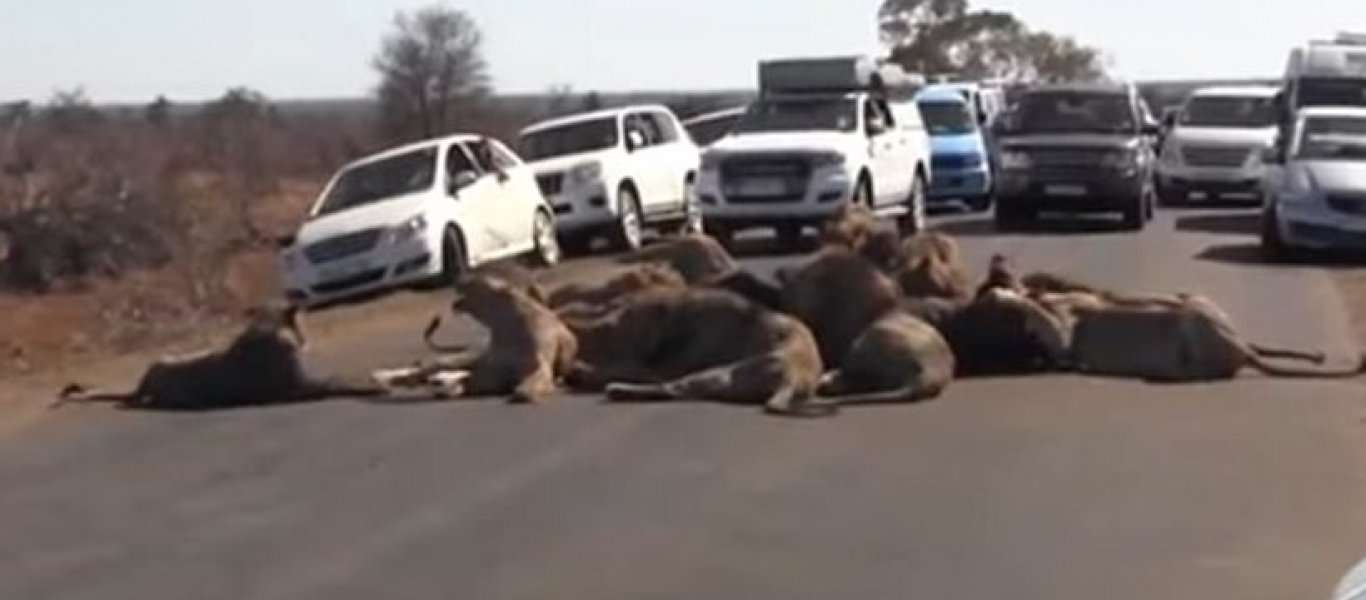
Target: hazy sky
(131,50)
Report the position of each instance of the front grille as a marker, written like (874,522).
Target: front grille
(342,246)
(1215,156)
(954,162)
(354,281)
(1352,204)
(793,172)
(1067,157)
(550,183)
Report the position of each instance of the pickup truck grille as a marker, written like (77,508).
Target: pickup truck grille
(1215,156)
(550,183)
(342,246)
(786,177)
(954,162)
(1352,204)
(1067,157)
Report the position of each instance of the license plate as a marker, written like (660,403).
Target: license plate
(759,187)
(344,270)
(1065,190)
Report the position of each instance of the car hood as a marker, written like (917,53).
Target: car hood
(1224,136)
(1339,175)
(968,143)
(1071,140)
(382,213)
(568,161)
(817,141)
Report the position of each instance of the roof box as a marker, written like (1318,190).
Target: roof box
(842,73)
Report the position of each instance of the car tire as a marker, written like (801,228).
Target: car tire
(1011,218)
(913,221)
(546,252)
(789,236)
(863,192)
(454,261)
(628,235)
(1134,214)
(1273,247)
(1173,196)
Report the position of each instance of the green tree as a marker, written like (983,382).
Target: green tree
(431,68)
(158,112)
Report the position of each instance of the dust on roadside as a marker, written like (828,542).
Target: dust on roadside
(1352,284)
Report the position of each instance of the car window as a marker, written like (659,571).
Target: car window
(665,126)
(1333,138)
(636,122)
(483,156)
(1067,111)
(371,182)
(574,138)
(502,157)
(458,161)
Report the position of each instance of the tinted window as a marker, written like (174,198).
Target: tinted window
(706,132)
(800,114)
(403,174)
(947,118)
(587,136)
(1333,138)
(1229,111)
(1331,92)
(665,125)
(1075,112)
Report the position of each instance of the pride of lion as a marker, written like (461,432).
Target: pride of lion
(871,317)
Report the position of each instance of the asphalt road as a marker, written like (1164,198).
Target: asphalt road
(1046,487)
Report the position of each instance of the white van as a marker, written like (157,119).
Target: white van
(1322,73)
(423,211)
(823,132)
(1215,142)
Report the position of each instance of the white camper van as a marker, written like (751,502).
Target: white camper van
(823,131)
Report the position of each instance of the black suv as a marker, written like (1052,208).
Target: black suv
(1077,148)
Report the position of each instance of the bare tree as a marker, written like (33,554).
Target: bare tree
(431,66)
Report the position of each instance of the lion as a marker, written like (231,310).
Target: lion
(695,256)
(838,294)
(578,300)
(927,264)
(899,358)
(530,349)
(262,365)
(702,343)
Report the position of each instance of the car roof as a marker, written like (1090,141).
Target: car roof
(1249,91)
(606,113)
(1333,111)
(716,114)
(941,92)
(406,148)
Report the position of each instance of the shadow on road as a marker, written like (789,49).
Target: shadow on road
(1080,225)
(1241,223)
(1251,254)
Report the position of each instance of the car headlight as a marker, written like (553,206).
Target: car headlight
(827,159)
(586,173)
(1015,160)
(1122,160)
(407,230)
(711,161)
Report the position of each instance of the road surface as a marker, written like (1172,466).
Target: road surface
(1033,488)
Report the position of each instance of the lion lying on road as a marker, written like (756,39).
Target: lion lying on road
(260,366)
(529,349)
(696,257)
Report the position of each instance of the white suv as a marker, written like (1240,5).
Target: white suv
(1213,144)
(417,213)
(614,173)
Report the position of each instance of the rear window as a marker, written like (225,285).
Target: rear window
(1075,112)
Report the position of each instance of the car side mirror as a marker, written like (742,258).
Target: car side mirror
(460,181)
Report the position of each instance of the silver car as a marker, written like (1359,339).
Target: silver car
(1316,191)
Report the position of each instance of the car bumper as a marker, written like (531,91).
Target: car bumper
(1211,180)
(582,209)
(822,195)
(380,268)
(1316,226)
(1074,189)
(951,185)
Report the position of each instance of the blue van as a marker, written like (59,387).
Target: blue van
(961,165)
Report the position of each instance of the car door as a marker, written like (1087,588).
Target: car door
(473,191)
(678,156)
(888,148)
(643,139)
(523,196)
(505,218)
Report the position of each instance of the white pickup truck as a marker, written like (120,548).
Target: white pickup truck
(822,132)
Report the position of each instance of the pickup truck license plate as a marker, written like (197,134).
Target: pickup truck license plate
(759,186)
(1065,190)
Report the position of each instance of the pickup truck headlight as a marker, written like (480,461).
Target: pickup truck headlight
(1014,160)
(585,173)
(407,230)
(1123,160)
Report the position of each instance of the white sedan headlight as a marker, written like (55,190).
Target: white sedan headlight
(1300,184)
(1014,160)
(407,230)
